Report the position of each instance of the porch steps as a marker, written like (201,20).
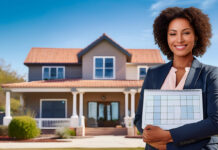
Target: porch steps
(105,131)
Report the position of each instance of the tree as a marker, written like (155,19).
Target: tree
(9,76)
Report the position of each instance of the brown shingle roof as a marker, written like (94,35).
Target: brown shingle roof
(69,55)
(76,83)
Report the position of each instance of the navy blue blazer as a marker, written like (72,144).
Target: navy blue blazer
(194,136)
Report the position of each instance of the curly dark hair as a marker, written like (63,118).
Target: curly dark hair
(197,19)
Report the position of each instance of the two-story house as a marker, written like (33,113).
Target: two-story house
(97,86)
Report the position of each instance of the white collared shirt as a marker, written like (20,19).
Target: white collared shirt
(170,81)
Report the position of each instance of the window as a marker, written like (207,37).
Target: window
(104,67)
(53,108)
(92,110)
(142,73)
(51,72)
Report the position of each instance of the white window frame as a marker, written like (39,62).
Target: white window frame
(138,70)
(41,100)
(49,71)
(103,57)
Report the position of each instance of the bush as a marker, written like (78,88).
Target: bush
(27,112)
(2,109)
(23,127)
(3,130)
(65,132)
(15,106)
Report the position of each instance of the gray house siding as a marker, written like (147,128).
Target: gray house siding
(104,49)
(71,72)
(35,73)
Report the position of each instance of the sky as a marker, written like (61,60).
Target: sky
(77,23)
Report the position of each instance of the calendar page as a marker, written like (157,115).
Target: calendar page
(172,108)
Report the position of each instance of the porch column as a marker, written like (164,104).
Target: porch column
(7,119)
(81,129)
(74,118)
(131,129)
(21,101)
(126,118)
(133,92)
(81,110)
(126,104)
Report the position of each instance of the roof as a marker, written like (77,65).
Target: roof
(76,83)
(69,56)
(39,55)
(52,55)
(145,56)
(101,38)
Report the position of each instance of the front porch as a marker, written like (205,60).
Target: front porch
(79,107)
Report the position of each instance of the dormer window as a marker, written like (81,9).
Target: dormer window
(53,72)
(141,72)
(104,67)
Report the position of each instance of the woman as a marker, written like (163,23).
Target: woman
(182,34)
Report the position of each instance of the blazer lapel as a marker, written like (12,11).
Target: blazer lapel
(193,74)
(163,74)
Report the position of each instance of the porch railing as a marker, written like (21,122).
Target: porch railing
(52,123)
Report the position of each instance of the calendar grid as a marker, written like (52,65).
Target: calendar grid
(170,109)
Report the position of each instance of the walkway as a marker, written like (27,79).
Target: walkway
(89,142)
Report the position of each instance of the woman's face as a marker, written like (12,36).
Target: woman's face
(180,37)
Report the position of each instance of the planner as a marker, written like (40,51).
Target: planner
(172,108)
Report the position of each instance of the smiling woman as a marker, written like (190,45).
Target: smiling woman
(182,34)
(181,37)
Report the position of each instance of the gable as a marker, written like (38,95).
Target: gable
(104,37)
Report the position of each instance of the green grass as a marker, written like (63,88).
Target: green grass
(75,149)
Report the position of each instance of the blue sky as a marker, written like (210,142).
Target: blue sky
(77,23)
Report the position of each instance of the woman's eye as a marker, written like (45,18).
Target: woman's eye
(187,33)
(172,34)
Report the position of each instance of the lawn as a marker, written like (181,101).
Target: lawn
(76,149)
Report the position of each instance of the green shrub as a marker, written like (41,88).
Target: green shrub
(3,130)
(72,132)
(65,132)
(23,127)
(26,112)
(15,106)
(2,109)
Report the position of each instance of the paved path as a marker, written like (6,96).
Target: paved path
(91,142)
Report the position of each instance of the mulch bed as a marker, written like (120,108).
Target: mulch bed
(4,139)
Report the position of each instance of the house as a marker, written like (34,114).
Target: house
(97,86)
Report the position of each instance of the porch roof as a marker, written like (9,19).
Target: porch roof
(76,83)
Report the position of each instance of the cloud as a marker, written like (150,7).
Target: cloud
(162,4)
(157,5)
(206,4)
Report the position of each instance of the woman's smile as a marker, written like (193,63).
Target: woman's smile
(180,47)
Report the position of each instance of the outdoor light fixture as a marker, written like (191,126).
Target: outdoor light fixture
(103,97)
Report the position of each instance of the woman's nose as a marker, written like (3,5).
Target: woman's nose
(180,38)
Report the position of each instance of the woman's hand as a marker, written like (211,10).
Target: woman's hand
(156,137)
(159,145)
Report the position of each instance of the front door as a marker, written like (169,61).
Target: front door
(106,114)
